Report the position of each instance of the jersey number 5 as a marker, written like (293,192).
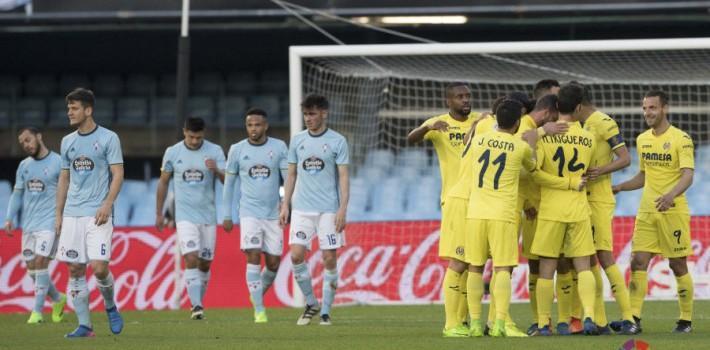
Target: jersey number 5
(573,166)
(485,159)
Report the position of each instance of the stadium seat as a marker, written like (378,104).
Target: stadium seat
(69,82)
(207,84)
(5,191)
(132,111)
(359,199)
(273,82)
(388,200)
(167,85)
(104,111)
(110,85)
(240,83)
(121,210)
(31,111)
(143,214)
(10,85)
(140,85)
(232,109)
(203,107)
(413,157)
(380,158)
(165,111)
(5,113)
(271,104)
(372,175)
(422,199)
(58,112)
(40,85)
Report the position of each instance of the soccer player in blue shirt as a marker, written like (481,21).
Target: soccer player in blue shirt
(256,165)
(318,183)
(91,177)
(194,164)
(34,195)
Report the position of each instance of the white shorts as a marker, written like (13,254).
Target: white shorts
(81,240)
(306,225)
(263,234)
(199,238)
(38,243)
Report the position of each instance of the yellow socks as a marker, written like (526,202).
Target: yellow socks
(492,300)
(621,293)
(474,286)
(638,287)
(685,296)
(502,293)
(563,287)
(599,305)
(452,294)
(545,297)
(576,306)
(462,311)
(532,284)
(587,291)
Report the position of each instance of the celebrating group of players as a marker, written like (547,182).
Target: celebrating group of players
(541,169)
(71,195)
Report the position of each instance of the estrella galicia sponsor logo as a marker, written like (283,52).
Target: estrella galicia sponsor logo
(83,164)
(193,176)
(27,252)
(301,235)
(259,172)
(313,165)
(35,186)
(72,254)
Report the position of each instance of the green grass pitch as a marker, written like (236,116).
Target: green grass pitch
(355,327)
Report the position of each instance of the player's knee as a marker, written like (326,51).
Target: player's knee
(679,266)
(457,265)
(329,260)
(100,269)
(40,262)
(204,265)
(77,270)
(273,264)
(191,260)
(638,263)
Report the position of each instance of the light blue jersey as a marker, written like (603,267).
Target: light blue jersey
(35,192)
(194,183)
(256,169)
(89,157)
(317,158)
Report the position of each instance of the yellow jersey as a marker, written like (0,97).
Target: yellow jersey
(462,185)
(661,157)
(486,124)
(498,158)
(449,146)
(528,189)
(606,139)
(566,156)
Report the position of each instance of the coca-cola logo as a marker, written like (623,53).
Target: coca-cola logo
(259,172)
(35,186)
(193,176)
(83,164)
(313,165)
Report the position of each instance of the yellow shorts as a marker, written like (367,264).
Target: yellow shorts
(602,216)
(453,228)
(667,234)
(494,238)
(573,239)
(528,228)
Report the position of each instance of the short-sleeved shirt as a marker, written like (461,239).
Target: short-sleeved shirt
(662,157)
(498,159)
(317,158)
(259,168)
(565,155)
(194,182)
(89,157)
(449,146)
(607,139)
(528,189)
(462,183)
(36,180)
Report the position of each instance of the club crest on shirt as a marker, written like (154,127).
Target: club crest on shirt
(45,171)
(96,145)
(83,165)
(313,165)
(193,176)
(259,172)
(271,154)
(325,148)
(667,145)
(35,186)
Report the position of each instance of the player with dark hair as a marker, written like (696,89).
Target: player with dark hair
(546,87)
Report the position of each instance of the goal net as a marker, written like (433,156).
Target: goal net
(378,93)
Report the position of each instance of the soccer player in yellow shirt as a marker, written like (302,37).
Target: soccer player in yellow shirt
(662,225)
(563,220)
(546,87)
(610,154)
(446,132)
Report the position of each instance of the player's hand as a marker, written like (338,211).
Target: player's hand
(554,128)
(102,214)
(283,215)
(615,189)
(530,136)
(211,164)
(8,227)
(530,213)
(594,173)
(159,222)
(340,220)
(58,225)
(582,183)
(227,224)
(664,202)
(439,125)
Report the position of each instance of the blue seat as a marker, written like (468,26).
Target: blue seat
(388,200)
(69,82)
(140,85)
(104,111)
(413,157)
(240,83)
(5,192)
(132,111)
(208,84)
(109,85)
(31,111)
(41,85)
(165,111)
(143,214)
(359,199)
(272,105)
(423,199)
(273,81)
(58,112)
(122,210)
(380,158)
(202,107)
(231,110)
